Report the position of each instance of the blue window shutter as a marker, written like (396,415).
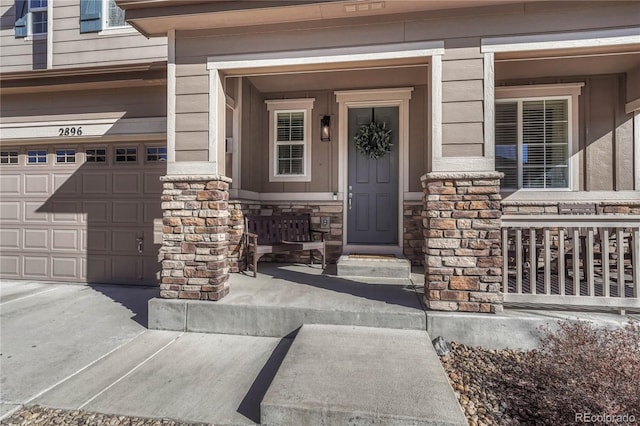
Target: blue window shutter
(90,16)
(21,18)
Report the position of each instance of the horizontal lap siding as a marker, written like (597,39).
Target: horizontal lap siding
(192,112)
(463,102)
(17,53)
(73,49)
(85,104)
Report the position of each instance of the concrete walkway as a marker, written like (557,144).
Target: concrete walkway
(80,346)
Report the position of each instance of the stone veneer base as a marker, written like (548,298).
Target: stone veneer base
(463,259)
(195,237)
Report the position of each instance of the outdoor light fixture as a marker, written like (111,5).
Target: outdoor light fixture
(325,129)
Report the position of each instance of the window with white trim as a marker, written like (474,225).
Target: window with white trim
(65,156)
(290,139)
(37,156)
(533,142)
(156,153)
(30,18)
(98,155)
(9,157)
(113,15)
(126,155)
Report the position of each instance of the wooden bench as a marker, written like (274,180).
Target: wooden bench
(280,234)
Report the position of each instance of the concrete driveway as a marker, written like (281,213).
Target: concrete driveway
(87,346)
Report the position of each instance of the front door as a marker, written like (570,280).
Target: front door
(372,216)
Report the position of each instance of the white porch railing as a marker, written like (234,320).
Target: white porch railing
(572,260)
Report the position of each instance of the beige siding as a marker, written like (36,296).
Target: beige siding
(605,132)
(86,104)
(633,85)
(73,49)
(324,155)
(254,146)
(462,100)
(18,54)
(192,112)
(70,47)
(418,131)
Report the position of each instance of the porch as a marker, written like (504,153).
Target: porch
(586,261)
(284,296)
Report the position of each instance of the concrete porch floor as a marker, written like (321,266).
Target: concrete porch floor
(283,297)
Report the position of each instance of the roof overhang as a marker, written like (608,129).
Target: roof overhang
(157,17)
(54,80)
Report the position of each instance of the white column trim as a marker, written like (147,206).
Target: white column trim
(567,40)
(435,113)
(171,100)
(236,158)
(636,148)
(489,109)
(217,123)
(632,106)
(49,35)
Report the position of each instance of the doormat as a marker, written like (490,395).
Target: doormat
(372,256)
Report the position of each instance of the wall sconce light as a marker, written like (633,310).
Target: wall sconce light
(325,129)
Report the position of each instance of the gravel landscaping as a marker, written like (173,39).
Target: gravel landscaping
(36,415)
(579,372)
(478,376)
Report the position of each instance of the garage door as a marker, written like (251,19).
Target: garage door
(81,213)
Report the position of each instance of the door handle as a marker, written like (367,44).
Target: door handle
(140,242)
(350,197)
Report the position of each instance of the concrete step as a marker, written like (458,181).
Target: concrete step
(374,266)
(338,375)
(284,297)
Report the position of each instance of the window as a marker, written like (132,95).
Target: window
(96,155)
(289,134)
(126,155)
(8,157)
(37,157)
(65,156)
(533,143)
(156,153)
(31,17)
(113,15)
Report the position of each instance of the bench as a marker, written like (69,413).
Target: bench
(280,234)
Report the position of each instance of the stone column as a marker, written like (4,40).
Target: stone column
(195,237)
(463,257)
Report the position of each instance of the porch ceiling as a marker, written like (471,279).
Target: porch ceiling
(413,75)
(540,64)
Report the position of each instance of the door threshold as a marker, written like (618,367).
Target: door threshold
(372,249)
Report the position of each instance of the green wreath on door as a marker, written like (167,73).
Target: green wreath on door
(373,140)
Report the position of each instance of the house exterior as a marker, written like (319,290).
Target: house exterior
(497,109)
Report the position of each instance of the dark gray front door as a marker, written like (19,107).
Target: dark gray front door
(372,216)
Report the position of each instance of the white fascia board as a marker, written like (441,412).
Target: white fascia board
(632,106)
(570,40)
(327,56)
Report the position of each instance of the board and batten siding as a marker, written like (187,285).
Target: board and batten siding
(605,131)
(324,155)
